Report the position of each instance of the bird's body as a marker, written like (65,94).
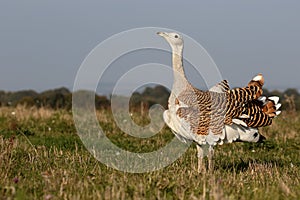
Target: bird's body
(218,115)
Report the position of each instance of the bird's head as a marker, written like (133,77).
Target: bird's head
(174,39)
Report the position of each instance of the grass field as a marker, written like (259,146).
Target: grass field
(41,157)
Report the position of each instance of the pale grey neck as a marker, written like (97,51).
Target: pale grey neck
(180,80)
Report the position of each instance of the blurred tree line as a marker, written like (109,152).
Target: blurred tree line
(61,98)
(150,96)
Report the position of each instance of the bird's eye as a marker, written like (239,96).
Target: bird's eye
(176,36)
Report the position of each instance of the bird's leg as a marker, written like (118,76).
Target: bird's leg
(210,158)
(200,156)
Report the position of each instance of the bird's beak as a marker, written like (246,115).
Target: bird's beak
(163,34)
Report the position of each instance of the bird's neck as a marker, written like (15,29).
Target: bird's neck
(179,74)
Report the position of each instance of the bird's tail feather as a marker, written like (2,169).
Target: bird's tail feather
(271,106)
(258,81)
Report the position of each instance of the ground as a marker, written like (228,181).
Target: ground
(41,157)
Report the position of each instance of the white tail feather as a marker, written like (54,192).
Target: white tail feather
(239,122)
(275,99)
(258,77)
(244,116)
(262,98)
(277,106)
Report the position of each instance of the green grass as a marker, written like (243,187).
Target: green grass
(41,157)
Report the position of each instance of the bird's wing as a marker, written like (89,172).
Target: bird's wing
(194,113)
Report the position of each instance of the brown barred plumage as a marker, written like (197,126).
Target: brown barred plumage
(213,110)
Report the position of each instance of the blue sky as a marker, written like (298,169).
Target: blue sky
(43,43)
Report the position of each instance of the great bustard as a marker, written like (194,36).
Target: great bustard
(218,115)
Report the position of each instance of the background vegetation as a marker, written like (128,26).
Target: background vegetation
(61,98)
